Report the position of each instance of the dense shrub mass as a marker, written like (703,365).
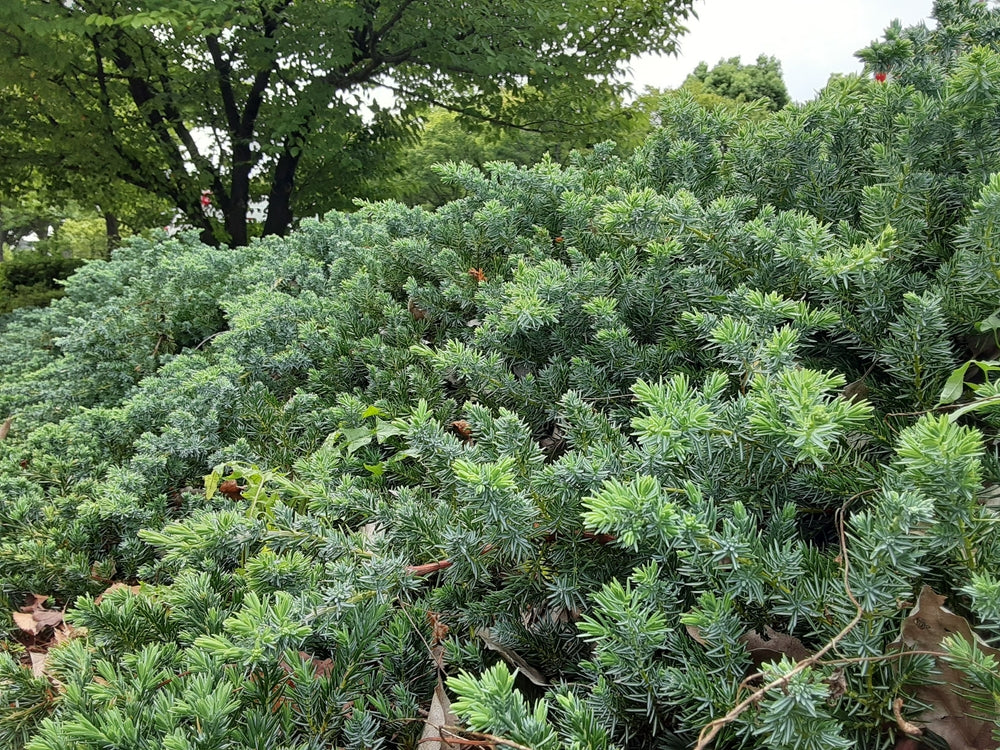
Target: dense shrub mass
(634,429)
(33,280)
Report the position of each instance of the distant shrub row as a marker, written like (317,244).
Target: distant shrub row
(32,279)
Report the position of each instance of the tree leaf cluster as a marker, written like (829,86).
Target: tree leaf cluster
(276,103)
(731,79)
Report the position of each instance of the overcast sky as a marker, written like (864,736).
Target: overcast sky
(812,38)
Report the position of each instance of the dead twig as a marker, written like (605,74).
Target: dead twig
(434,567)
(482,738)
(712,729)
(874,659)
(428,568)
(159,342)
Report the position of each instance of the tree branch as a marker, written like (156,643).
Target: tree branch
(260,80)
(224,71)
(390,24)
(176,122)
(535,126)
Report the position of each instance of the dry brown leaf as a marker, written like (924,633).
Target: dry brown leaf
(550,614)
(462,428)
(25,621)
(64,633)
(950,714)
(440,715)
(553,444)
(906,727)
(856,391)
(5,427)
(990,496)
(836,686)
(695,632)
(38,663)
(320,667)
(769,647)
(773,645)
(231,490)
(416,310)
(40,629)
(34,600)
(35,621)
(439,631)
(513,658)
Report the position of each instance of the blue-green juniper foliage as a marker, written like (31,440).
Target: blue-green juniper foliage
(687,397)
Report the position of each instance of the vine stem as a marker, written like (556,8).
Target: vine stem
(943,407)
(483,738)
(712,729)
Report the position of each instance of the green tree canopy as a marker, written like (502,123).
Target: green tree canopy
(51,172)
(273,101)
(447,136)
(733,80)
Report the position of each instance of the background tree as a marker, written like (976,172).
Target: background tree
(449,136)
(247,100)
(51,173)
(21,218)
(746,83)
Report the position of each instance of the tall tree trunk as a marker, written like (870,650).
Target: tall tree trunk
(207,237)
(235,220)
(112,230)
(279,201)
(238,204)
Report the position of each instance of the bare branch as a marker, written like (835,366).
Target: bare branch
(224,71)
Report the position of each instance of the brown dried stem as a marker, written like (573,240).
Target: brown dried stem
(712,729)
(483,738)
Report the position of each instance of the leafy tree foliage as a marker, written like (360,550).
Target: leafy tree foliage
(283,90)
(64,233)
(26,216)
(581,451)
(45,177)
(445,137)
(730,79)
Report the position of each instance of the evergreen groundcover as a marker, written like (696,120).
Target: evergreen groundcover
(598,454)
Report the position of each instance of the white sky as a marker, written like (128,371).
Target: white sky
(811,38)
